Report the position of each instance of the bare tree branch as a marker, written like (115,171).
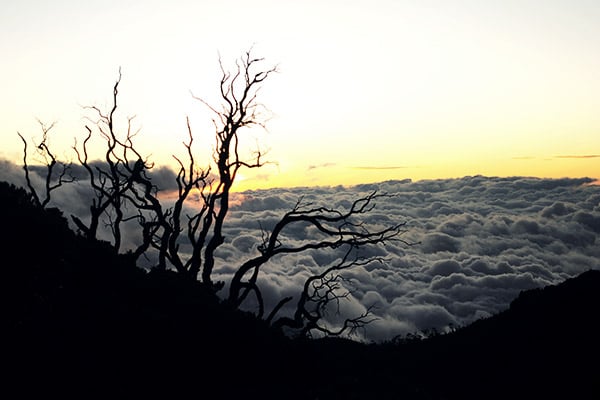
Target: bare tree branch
(238,110)
(43,150)
(112,180)
(336,227)
(320,292)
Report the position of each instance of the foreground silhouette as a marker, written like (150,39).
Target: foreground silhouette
(125,197)
(80,320)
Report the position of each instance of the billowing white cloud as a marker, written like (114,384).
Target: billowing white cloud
(480,242)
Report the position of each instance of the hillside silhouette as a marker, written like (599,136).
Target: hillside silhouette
(82,321)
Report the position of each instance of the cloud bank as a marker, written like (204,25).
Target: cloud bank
(478,242)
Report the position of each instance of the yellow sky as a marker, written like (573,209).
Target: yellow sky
(367,90)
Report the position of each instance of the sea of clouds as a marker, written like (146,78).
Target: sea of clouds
(476,242)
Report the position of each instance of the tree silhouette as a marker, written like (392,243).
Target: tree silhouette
(124,192)
(51,182)
(110,180)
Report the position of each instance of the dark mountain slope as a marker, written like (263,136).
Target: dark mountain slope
(79,319)
(546,345)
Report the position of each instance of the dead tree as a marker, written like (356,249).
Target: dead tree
(334,228)
(164,229)
(330,229)
(124,191)
(112,178)
(188,179)
(239,110)
(51,182)
(204,229)
(319,294)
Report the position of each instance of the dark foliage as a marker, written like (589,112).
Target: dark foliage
(80,320)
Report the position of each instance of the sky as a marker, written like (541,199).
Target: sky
(366,90)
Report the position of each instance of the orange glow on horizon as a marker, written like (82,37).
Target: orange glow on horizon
(553,168)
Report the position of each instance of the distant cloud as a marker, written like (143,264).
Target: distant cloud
(571,156)
(324,165)
(368,167)
(580,156)
(11,173)
(261,177)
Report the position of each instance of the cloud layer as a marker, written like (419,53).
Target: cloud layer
(478,242)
